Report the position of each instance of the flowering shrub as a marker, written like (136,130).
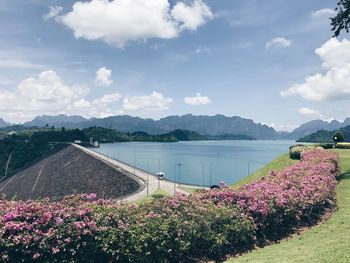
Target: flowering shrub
(295,151)
(343,145)
(208,224)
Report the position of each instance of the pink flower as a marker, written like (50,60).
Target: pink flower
(91,197)
(79,225)
(8,216)
(55,250)
(36,255)
(59,220)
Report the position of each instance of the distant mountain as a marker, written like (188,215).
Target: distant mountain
(326,136)
(58,121)
(205,125)
(4,123)
(316,125)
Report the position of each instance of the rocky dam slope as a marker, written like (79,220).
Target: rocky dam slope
(69,171)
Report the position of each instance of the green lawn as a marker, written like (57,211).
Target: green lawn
(156,194)
(328,242)
(276,165)
(189,190)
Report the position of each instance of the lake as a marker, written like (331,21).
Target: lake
(198,162)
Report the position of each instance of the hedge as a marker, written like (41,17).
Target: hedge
(203,226)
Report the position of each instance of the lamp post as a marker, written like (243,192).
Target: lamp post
(147,178)
(211,169)
(202,173)
(158,172)
(175,180)
(134,165)
(179,164)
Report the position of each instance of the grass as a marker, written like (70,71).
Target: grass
(276,165)
(156,194)
(327,242)
(189,190)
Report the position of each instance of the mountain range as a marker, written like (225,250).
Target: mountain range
(205,125)
(323,136)
(216,125)
(4,123)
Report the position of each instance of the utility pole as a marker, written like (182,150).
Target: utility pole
(202,173)
(134,165)
(211,169)
(179,164)
(175,180)
(147,178)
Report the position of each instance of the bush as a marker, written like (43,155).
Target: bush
(205,225)
(343,145)
(295,151)
(326,145)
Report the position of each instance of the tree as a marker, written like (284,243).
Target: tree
(341,21)
(338,137)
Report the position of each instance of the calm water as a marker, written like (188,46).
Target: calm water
(187,162)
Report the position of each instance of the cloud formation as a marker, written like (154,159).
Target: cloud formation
(47,93)
(323,13)
(53,12)
(332,85)
(278,42)
(155,102)
(310,112)
(104,77)
(117,22)
(197,100)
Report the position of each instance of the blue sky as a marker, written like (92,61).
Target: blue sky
(156,58)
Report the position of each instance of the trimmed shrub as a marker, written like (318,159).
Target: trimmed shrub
(295,151)
(206,225)
(343,145)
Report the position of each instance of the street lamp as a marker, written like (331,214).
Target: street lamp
(202,173)
(158,172)
(179,164)
(211,169)
(147,178)
(134,165)
(175,180)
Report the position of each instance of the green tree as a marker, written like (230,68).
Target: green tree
(338,137)
(341,21)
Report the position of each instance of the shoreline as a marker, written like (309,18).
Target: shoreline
(139,175)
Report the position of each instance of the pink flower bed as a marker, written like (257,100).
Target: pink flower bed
(209,224)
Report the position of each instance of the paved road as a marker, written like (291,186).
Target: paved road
(153,181)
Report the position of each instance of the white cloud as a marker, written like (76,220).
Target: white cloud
(104,77)
(278,42)
(107,99)
(323,13)
(53,12)
(308,111)
(192,16)
(155,101)
(117,22)
(197,100)
(47,93)
(17,63)
(200,50)
(334,84)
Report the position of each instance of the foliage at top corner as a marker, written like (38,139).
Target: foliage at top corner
(341,21)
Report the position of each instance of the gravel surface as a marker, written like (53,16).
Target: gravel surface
(69,171)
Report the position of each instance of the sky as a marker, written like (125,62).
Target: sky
(271,61)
